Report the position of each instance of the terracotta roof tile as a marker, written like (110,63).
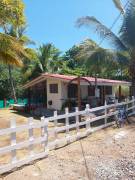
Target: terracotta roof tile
(69,78)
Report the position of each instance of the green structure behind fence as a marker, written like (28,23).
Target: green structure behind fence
(7,103)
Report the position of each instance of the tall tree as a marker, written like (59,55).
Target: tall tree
(74,57)
(126,39)
(11,13)
(19,34)
(45,59)
(87,58)
(12,50)
(48,56)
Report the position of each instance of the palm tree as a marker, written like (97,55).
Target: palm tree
(45,59)
(18,34)
(48,57)
(95,59)
(12,48)
(11,53)
(125,42)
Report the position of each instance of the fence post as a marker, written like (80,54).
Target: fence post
(87,119)
(127,103)
(44,133)
(133,104)
(55,129)
(67,125)
(31,138)
(42,130)
(116,102)
(77,123)
(13,141)
(115,107)
(105,105)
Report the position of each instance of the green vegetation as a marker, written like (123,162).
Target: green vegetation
(19,64)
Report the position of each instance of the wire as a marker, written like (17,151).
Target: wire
(113,24)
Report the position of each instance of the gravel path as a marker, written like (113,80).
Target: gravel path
(108,154)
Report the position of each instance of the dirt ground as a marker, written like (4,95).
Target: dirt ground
(108,154)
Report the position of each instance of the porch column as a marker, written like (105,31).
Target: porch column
(44,94)
(119,92)
(130,91)
(29,97)
(104,95)
(79,94)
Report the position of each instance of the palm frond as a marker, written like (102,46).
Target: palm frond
(46,54)
(102,31)
(123,58)
(11,50)
(84,50)
(19,34)
(10,58)
(127,31)
(119,6)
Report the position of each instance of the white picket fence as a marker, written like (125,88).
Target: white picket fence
(62,133)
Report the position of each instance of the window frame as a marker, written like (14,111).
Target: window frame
(53,88)
(108,90)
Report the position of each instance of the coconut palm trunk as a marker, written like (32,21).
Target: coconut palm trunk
(12,83)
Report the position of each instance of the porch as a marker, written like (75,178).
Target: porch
(93,96)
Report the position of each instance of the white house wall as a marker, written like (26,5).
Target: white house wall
(125,90)
(54,97)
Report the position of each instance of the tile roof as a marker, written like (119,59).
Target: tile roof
(43,76)
(91,79)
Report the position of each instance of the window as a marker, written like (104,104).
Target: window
(108,90)
(53,88)
(91,91)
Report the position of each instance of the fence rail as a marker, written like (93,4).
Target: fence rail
(66,128)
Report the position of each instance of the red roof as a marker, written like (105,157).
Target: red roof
(69,78)
(91,79)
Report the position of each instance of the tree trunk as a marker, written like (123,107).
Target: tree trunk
(12,83)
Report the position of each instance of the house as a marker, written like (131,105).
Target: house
(55,91)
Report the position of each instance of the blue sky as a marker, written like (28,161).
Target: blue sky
(54,20)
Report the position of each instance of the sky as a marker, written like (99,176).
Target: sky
(53,21)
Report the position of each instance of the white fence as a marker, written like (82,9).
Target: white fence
(55,132)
